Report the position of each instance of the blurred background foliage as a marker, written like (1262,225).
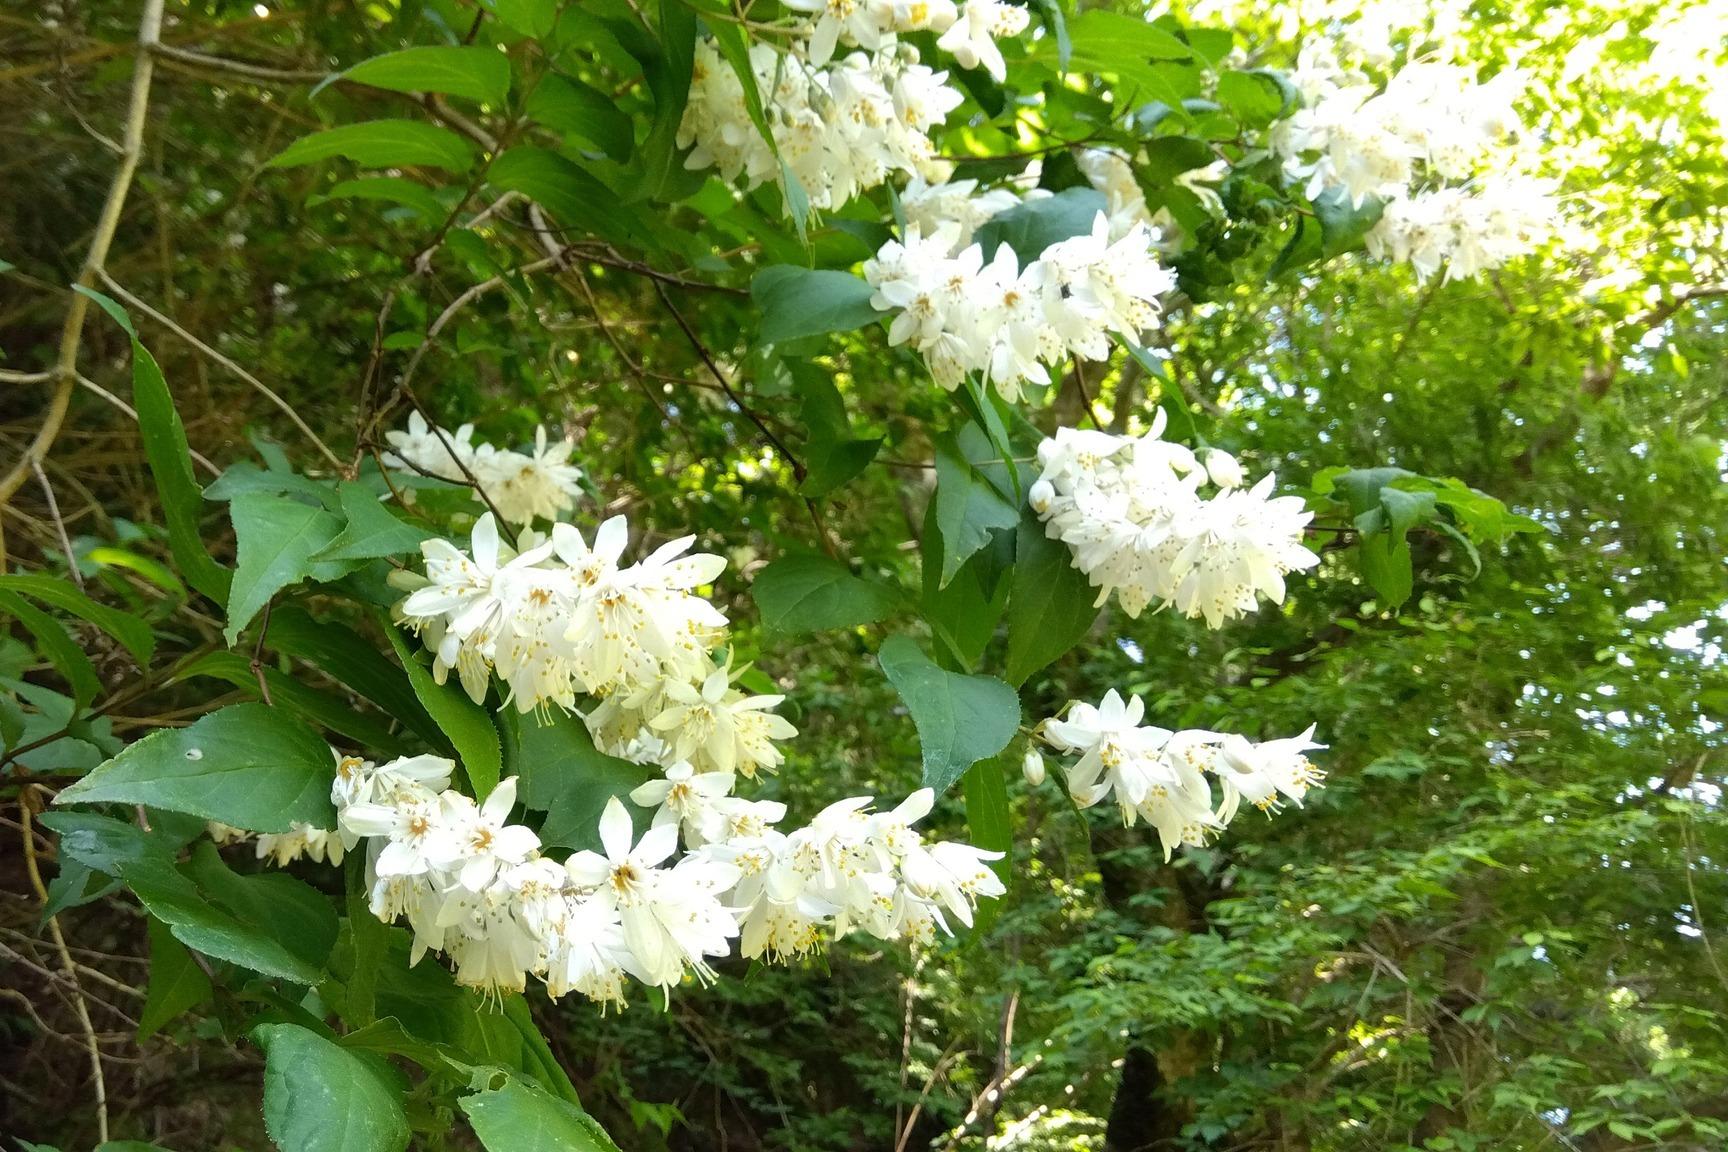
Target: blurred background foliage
(1500,926)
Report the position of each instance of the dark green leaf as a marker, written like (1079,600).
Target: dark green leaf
(53,641)
(278,538)
(248,765)
(467,725)
(321,1097)
(346,656)
(519,1117)
(382,144)
(567,777)
(1031,227)
(969,507)
(563,188)
(393,189)
(812,593)
(177,983)
(469,71)
(960,719)
(797,302)
(1052,605)
(570,106)
(372,529)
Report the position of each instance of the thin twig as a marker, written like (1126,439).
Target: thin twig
(26,800)
(268,393)
(59,523)
(72,330)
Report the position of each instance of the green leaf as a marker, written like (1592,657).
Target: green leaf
(171,465)
(109,305)
(813,593)
(1256,98)
(989,826)
(963,614)
(564,775)
(797,302)
(960,719)
(392,189)
(321,1097)
(969,506)
(1343,224)
(466,725)
(1386,567)
(1031,227)
(830,461)
(132,632)
(567,105)
(346,656)
(104,843)
(248,765)
(468,71)
(1051,606)
(520,1117)
(320,707)
(372,529)
(667,67)
(54,642)
(283,930)
(278,537)
(565,189)
(177,983)
(382,144)
(534,18)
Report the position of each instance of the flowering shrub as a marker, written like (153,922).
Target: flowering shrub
(536,740)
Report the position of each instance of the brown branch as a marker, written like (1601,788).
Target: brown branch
(72,330)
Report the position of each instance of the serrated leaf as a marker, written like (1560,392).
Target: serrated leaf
(1051,606)
(382,144)
(960,719)
(813,593)
(248,765)
(466,725)
(371,531)
(321,1097)
(133,633)
(797,302)
(277,540)
(565,776)
(465,70)
(520,1117)
(176,985)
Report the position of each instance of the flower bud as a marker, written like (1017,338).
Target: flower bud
(1224,469)
(1040,496)
(1033,767)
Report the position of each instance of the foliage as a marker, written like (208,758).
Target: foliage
(1495,927)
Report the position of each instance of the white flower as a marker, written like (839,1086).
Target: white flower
(479,841)
(972,39)
(1161,776)
(1132,513)
(688,800)
(1223,469)
(1260,773)
(542,484)
(719,729)
(672,918)
(434,451)
(301,839)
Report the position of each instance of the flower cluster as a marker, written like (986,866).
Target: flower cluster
(1437,148)
(842,126)
(966,311)
(473,885)
(1131,510)
(522,486)
(1161,777)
